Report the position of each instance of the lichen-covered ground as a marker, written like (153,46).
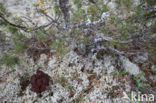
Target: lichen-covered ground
(75,78)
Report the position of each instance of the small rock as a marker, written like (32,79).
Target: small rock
(141,58)
(42,60)
(130,67)
(51,62)
(153,68)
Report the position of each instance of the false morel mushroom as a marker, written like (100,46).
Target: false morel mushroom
(39,82)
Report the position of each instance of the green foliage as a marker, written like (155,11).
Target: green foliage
(104,8)
(68,86)
(114,43)
(2,40)
(58,45)
(78,15)
(19,47)
(41,34)
(12,29)
(17,20)
(92,9)
(139,75)
(2,8)
(79,37)
(145,86)
(138,14)
(126,3)
(78,3)
(77,34)
(112,19)
(9,60)
(79,100)
(125,28)
(137,81)
(149,2)
(62,81)
(17,37)
(56,9)
(152,54)
(2,22)
(121,72)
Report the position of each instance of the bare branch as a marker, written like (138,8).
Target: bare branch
(12,24)
(121,52)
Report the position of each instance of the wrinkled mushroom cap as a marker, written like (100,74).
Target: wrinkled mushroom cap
(39,82)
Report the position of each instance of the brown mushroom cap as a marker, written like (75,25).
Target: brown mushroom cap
(39,82)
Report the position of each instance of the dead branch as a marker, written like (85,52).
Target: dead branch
(10,23)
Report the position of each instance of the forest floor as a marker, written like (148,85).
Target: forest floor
(78,73)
